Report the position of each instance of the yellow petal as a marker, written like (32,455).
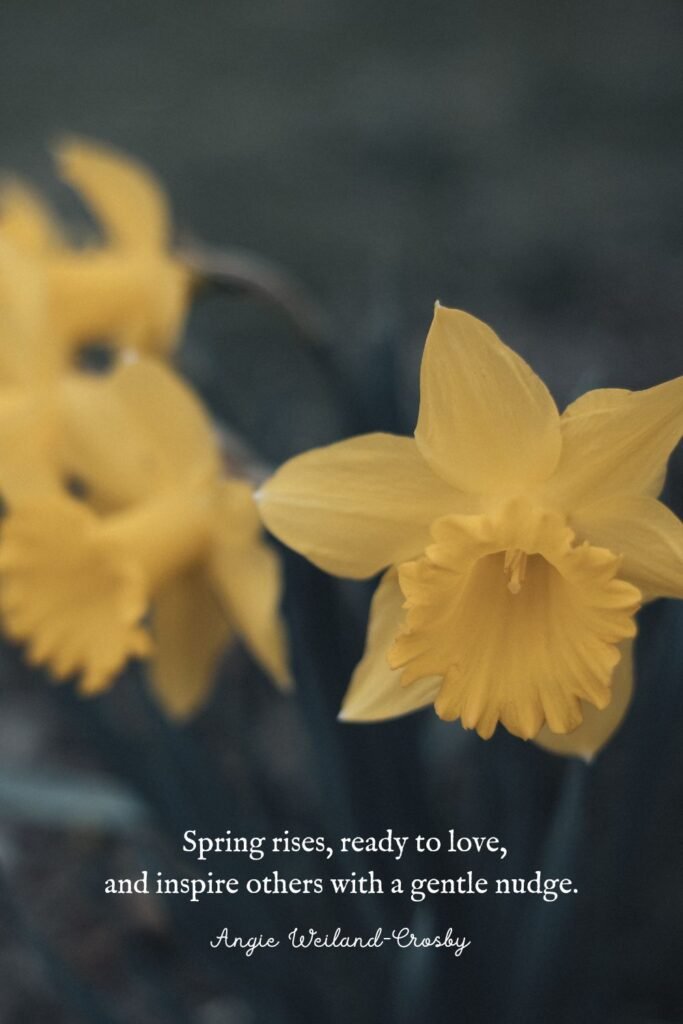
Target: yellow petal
(519,621)
(248,578)
(190,632)
(598,401)
(29,446)
(121,192)
(27,349)
(133,432)
(359,505)
(135,301)
(648,536)
(165,535)
(617,442)
(75,600)
(375,692)
(597,726)
(487,423)
(239,524)
(26,222)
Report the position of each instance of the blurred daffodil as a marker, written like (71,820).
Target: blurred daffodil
(163,558)
(520,543)
(125,292)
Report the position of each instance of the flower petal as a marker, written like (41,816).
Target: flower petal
(122,193)
(136,301)
(248,578)
(597,726)
(487,423)
(26,222)
(29,438)
(357,506)
(375,692)
(130,433)
(617,442)
(190,633)
(27,352)
(648,536)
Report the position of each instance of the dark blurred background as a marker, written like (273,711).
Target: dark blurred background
(521,161)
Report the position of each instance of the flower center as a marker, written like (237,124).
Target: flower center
(515,567)
(523,653)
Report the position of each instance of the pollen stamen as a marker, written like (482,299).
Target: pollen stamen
(515,566)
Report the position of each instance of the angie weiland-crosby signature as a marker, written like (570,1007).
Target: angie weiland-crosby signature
(310,938)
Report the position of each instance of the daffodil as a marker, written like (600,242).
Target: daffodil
(162,556)
(162,559)
(517,543)
(124,292)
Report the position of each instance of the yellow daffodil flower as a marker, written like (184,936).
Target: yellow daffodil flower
(520,543)
(163,558)
(126,292)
